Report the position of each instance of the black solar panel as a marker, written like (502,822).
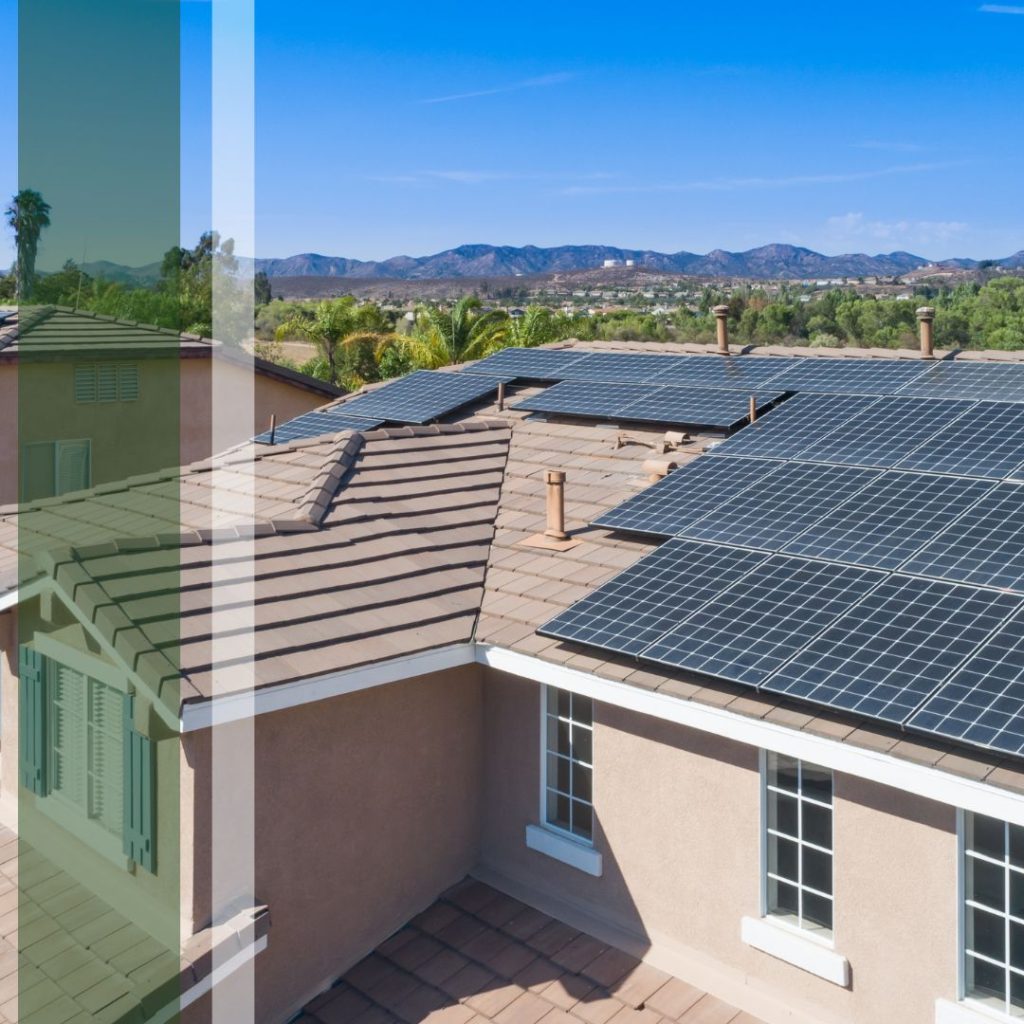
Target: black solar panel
(315,423)
(527,363)
(992,381)
(885,432)
(618,367)
(749,630)
(848,376)
(892,517)
(985,546)
(646,403)
(781,506)
(794,425)
(888,653)
(686,495)
(741,372)
(423,396)
(987,441)
(640,604)
(983,702)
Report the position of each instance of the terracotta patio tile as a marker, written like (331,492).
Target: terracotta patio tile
(609,967)
(527,1009)
(709,1010)
(440,967)
(674,998)
(493,998)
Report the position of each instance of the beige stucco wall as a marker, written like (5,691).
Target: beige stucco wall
(678,824)
(367,807)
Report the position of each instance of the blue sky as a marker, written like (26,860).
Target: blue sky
(413,127)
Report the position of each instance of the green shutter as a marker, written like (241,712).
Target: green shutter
(32,715)
(139,793)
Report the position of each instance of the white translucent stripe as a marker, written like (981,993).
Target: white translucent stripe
(232,414)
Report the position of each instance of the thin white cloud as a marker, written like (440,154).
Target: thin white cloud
(739,184)
(1000,9)
(541,82)
(856,227)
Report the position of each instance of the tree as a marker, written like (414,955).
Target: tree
(442,337)
(261,286)
(327,326)
(27,215)
(539,325)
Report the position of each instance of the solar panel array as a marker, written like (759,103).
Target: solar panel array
(315,423)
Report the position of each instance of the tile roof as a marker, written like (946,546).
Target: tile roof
(478,956)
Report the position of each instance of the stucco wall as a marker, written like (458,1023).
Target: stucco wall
(678,821)
(367,807)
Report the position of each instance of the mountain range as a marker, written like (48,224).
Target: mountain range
(768,262)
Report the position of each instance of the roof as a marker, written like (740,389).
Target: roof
(50,332)
(480,956)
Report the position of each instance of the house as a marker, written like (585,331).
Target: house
(101,384)
(460,818)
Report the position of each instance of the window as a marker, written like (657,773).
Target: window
(568,763)
(106,382)
(993,913)
(798,843)
(52,468)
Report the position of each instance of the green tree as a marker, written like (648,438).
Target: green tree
(27,215)
(327,326)
(261,287)
(445,336)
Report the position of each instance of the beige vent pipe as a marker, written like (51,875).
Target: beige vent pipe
(556,505)
(722,328)
(926,319)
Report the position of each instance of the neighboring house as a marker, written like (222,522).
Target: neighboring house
(92,399)
(764,859)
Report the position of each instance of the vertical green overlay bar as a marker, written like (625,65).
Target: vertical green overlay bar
(90,746)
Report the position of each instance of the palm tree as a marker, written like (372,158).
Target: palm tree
(28,214)
(331,322)
(443,337)
(537,326)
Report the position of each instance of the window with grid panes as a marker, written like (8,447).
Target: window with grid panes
(993,939)
(568,763)
(798,843)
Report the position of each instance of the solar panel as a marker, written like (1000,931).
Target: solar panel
(983,702)
(618,367)
(527,363)
(885,432)
(780,507)
(686,495)
(892,517)
(749,630)
(646,403)
(889,652)
(422,396)
(987,441)
(640,604)
(848,376)
(794,425)
(742,372)
(985,546)
(994,382)
(315,423)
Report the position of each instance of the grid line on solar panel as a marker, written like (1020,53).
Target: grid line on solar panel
(618,367)
(781,506)
(992,382)
(527,363)
(641,603)
(983,701)
(316,423)
(894,648)
(885,432)
(422,396)
(984,547)
(686,495)
(793,425)
(847,376)
(749,630)
(895,515)
(742,372)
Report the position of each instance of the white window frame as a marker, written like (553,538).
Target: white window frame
(812,931)
(56,445)
(544,751)
(977,1005)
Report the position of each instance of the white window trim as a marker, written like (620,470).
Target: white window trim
(967,1012)
(543,813)
(797,947)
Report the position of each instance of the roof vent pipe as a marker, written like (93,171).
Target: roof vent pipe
(556,505)
(501,396)
(926,320)
(722,328)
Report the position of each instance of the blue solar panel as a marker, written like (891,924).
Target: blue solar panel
(742,372)
(686,495)
(894,648)
(422,396)
(781,506)
(618,367)
(527,363)
(848,376)
(331,420)
(638,605)
(983,702)
(895,515)
(749,630)
(992,381)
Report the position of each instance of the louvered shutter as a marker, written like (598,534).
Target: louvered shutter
(106,382)
(139,794)
(32,714)
(106,755)
(74,472)
(68,739)
(85,384)
(128,382)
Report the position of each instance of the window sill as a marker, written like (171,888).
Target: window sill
(799,950)
(949,1012)
(576,855)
